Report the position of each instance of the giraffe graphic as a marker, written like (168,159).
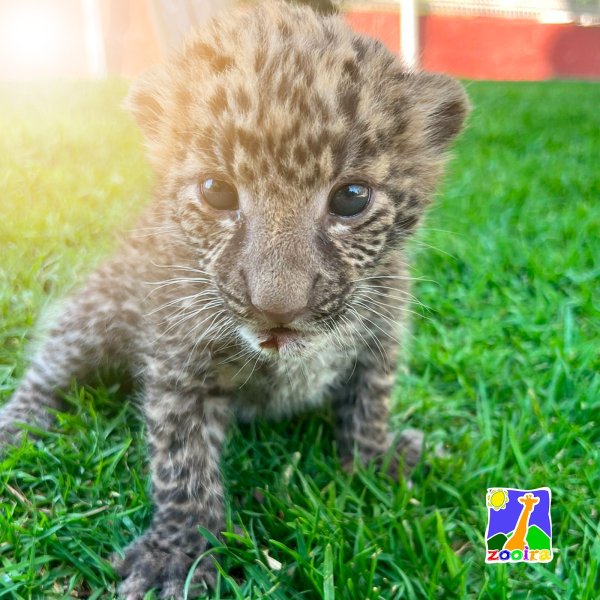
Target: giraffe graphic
(519,525)
(517,540)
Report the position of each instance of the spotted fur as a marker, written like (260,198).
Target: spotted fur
(286,105)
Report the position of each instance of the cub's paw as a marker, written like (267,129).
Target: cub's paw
(405,449)
(11,432)
(151,564)
(15,420)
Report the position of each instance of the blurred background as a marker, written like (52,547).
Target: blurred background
(476,39)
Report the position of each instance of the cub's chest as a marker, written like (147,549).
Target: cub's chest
(283,387)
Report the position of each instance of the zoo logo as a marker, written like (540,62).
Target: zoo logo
(519,527)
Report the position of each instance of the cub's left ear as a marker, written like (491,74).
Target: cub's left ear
(146,103)
(443,104)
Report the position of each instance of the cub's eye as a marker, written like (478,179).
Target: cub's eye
(349,200)
(219,194)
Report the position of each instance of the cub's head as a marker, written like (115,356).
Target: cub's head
(295,157)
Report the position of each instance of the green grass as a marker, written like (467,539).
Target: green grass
(504,371)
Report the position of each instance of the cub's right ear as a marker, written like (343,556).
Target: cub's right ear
(443,105)
(146,102)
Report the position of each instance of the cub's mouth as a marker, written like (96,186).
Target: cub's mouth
(280,339)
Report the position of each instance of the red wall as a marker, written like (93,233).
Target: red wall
(493,48)
(469,47)
(129,36)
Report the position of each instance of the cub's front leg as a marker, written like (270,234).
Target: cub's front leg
(186,430)
(361,407)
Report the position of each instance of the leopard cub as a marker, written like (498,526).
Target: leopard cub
(294,159)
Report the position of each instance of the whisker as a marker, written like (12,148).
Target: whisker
(191,315)
(386,333)
(186,310)
(243,352)
(182,268)
(424,229)
(144,232)
(179,280)
(404,293)
(218,315)
(403,301)
(361,301)
(383,304)
(391,319)
(252,371)
(183,280)
(224,328)
(198,296)
(375,339)
(430,247)
(400,277)
(252,353)
(354,344)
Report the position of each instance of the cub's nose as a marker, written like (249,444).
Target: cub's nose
(279,315)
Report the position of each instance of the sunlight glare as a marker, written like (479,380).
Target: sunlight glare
(32,39)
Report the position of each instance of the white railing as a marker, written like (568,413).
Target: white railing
(585,12)
(549,11)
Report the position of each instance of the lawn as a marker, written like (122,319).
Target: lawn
(503,378)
